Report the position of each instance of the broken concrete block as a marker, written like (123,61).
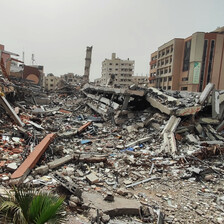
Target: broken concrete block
(131,128)
(5,178)
(206,120)
(191,138)
(69,171)
(59,162)
(75,199)
(142,140)
(92,178)
(204,95)
(109,196)
(12,167)
(10,111)
(72,204)
(123,191)
(105,218)
(199,129)
(41,170)
(220,127)
(120,206)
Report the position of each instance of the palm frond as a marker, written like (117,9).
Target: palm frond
(28,206)
(50,209)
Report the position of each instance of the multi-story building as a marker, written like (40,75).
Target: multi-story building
(189,64)
(141,81)
(50,82)
(73,79)
(153,66)
(117,72)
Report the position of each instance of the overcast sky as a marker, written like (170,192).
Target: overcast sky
(58,31)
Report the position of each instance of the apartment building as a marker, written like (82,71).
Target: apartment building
(153,69)
(117,72)
(189,64)
(50,82)
(72,78)
(141,81)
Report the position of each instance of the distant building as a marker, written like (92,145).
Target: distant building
(189,64)
(72,79)
(116,71)
(50,82)
(141,81)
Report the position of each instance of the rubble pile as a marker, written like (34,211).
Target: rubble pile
(143,154)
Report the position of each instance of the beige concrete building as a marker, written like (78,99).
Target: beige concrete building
(117,72)
(50,82)
(73,79)
(189,64)
(141,81)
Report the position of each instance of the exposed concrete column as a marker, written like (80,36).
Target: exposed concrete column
(126,101)
(87,64)
(10,110)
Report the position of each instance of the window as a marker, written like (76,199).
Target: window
(110,64)
(185,79)
(169,87)
(203,65)
(116,63)
(170,78)
(184,88)
(165,79)
(51,85)
(210,61)
(187,51)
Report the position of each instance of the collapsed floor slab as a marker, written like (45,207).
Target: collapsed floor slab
(20,174)
(120,206)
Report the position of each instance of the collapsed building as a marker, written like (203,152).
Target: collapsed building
(115,152)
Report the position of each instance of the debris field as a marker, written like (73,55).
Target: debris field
(135,155)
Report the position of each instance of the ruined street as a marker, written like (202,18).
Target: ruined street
(131,155)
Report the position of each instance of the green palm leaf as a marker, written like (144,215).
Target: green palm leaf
(28,206)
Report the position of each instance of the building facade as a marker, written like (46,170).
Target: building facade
(141,81)
(50,82)
(189,64)
(117,72)
(73,79)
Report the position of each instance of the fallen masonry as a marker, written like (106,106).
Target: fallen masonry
(119,155)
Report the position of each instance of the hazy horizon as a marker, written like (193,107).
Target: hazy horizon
(57,32)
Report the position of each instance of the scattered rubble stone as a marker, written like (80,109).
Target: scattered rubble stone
(152,155)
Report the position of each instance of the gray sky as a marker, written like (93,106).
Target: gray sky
(58,31)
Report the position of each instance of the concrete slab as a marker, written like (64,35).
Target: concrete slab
(59,162)
(10,111)
(120,206)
